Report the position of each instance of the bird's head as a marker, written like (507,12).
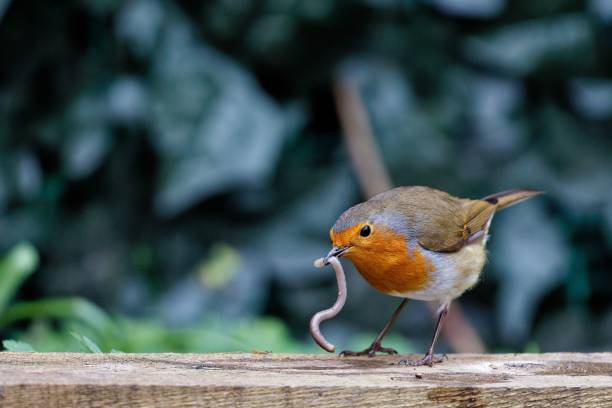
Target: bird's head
(366,232)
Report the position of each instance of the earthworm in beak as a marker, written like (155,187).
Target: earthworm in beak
(332,311)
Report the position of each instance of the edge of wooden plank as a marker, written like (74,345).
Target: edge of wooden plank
(234,379)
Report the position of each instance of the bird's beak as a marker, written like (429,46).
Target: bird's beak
(335,251)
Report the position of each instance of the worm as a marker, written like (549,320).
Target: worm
(332,311)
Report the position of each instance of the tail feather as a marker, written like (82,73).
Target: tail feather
(511,197)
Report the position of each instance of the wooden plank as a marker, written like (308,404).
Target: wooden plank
(283,380)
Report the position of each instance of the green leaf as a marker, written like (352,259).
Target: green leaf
(14,345)
(87,343)
(532,347)
(61,308)
(46,336)
(220,267)
(15,268)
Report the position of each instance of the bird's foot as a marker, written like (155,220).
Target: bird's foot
(428,360)
(370,351)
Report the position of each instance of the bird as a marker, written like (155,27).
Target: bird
(420,243)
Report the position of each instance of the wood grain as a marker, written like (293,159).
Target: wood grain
(281,380)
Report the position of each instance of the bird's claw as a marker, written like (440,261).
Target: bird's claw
(428,360)
(370,351)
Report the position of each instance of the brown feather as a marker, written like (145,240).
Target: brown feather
(436,217)
(475,216)
(510,197)
(439,221)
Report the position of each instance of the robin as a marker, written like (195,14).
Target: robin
(418,243)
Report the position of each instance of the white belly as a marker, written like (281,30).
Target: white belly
(454,273)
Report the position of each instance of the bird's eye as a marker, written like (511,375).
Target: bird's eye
(365,231)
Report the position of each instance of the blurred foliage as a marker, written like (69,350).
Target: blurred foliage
(76,316)
(179,164)
(17,346)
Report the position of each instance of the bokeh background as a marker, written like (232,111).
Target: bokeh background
(170,170)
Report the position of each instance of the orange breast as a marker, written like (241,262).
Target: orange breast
(388,265)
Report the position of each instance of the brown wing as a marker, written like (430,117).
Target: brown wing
(465,220)
(439,221)
(467,223)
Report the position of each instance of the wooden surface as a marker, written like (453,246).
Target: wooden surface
(281,380)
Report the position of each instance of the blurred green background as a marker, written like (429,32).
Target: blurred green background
(170,170)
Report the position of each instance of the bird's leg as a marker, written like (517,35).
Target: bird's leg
(375,346)
(429,358)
